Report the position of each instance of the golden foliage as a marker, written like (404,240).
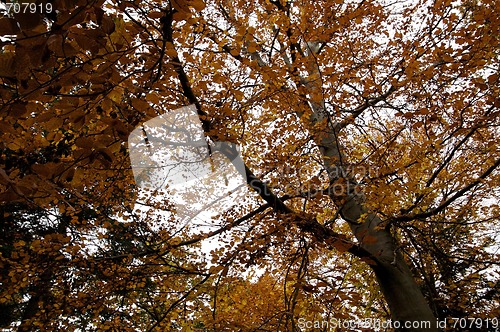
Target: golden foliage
(401,98)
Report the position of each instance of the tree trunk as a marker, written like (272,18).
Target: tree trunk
(403,295)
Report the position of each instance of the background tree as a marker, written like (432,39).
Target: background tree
(369,133)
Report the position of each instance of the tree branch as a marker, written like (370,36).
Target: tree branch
(305,223)
(445,204)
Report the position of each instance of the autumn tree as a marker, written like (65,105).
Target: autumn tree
(368,130)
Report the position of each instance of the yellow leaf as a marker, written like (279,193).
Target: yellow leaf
(238,95)
(139,104)
(252,47)
(180,5)
(171,52)
(153,98)
(116,95)
(198,5)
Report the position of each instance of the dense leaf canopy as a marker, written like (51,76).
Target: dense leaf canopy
(369,133)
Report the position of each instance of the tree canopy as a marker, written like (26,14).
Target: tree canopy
(368,131)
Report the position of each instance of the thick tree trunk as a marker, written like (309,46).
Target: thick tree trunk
(402,293)
(404,297)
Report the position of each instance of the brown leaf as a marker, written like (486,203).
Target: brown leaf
(369,239)
(8,26)
(85,142)
(108,25)
(7,68)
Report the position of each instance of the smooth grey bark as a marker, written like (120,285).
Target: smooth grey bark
(403,295)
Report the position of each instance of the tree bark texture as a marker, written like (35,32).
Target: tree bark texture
(403,295)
